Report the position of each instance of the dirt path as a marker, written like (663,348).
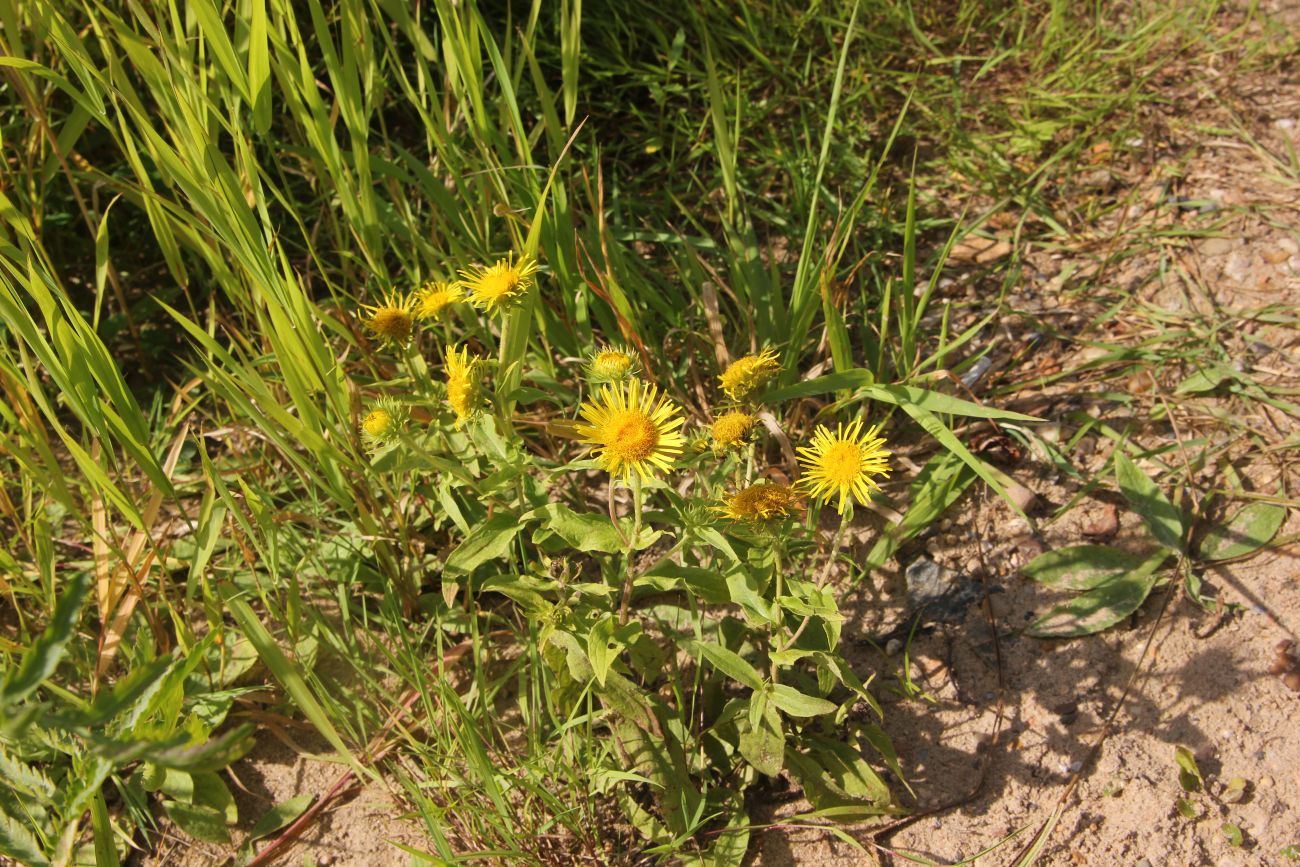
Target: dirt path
(1223,166)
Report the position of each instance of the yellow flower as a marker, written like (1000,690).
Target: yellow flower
(462,384)
(390,319)
(745,377)
(498,286)
(760,502)
(632,428)
(730,428)
(610,364)
(844,462)
(433,299)
(383,423)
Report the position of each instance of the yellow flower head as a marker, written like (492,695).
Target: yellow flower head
(496,287)
(632,428)
(730,429)
(462,384)
(844,462)
(433,299)
(760,502)
(383,422)
(611,364)
(391,319)
(745,377)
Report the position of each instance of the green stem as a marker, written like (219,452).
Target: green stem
(778,592)
(634,482)
(826,571)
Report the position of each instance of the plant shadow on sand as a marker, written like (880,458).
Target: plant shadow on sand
(1210,694)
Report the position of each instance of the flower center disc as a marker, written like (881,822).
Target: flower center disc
(498,285)
(842,463)
(611,358)
(392,322)
(631,437)
(376,422)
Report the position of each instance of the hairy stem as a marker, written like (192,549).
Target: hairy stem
(635,484)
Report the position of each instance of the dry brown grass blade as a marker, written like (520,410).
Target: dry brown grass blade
(125,585)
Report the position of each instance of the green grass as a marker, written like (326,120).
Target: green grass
(201,195)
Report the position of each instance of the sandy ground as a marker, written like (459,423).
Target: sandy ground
(1204,681)
(359,831)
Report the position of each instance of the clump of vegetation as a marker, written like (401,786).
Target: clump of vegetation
(486,386)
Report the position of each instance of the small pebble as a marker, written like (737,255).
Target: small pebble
(1217,246)
(893,647)
(1276,257)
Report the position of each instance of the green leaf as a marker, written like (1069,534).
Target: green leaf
(1102,606)
(1165,521)
(24,779)
(212,755)
(280,816)
(105,841)
(659,757)
(1206,379)
(524,589)
(1233,833)
(19,843)
(733,840)
(728,662)
(861,381)
(200,822)
(1250,529)
(744,590)
(1291,853)
(177,784)
(211,791)
(602,647)
(1188,808)
(588,532)
(101,247)
(835,776)
(291,678)
(1189,774)
(943,479)
(1081,567)
(762,742)
(488,541)
(43,658)
(1235,791)
(708,584)
(795,703)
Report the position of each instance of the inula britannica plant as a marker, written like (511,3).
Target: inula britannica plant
(685,599)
